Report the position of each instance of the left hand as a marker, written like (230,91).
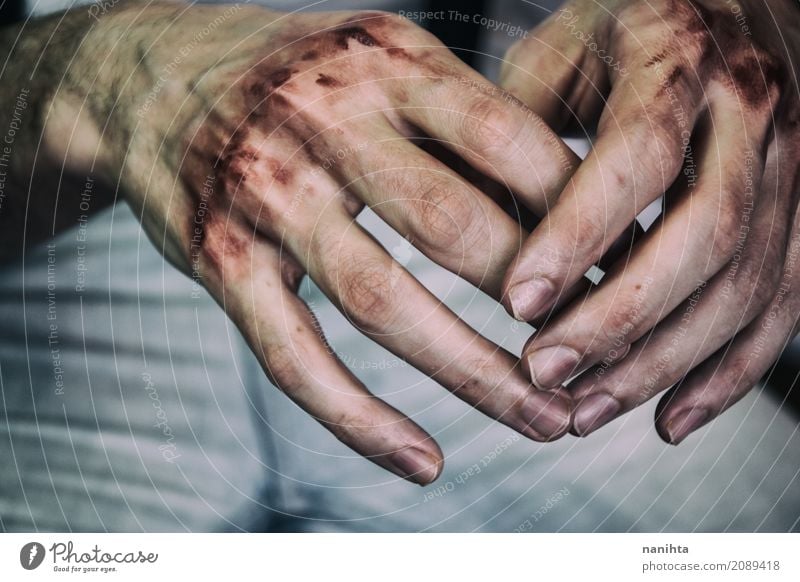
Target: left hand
(698,100)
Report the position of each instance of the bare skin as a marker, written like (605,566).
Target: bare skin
(699,100)
(248,153)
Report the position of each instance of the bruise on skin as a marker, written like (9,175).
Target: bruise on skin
(238,160)
(260,90)
(675,75)
(266,97)
(657,59)
(279,77)
(755,78)
(205,202)
(221,244)
(397,52)
(280,172)
(265,78)
(231,168)
(327,81)
(342,37)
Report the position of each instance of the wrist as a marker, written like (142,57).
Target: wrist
(138,69)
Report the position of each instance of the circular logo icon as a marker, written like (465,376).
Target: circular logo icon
(31,555)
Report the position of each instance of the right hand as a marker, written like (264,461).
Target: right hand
(247,152)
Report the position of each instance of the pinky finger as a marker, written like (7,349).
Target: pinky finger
(289,344)
(727,376)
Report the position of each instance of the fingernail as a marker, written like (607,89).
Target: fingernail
(594,411)
(529,298)
(546,414)
(550,367)
(416,466)
(685,423)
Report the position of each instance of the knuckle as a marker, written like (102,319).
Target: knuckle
(481,377)
(590,234)
(623,320)
(281,361)
(368,293)
(236,167)
(755,276)
(489,127)
(220,249)
(649,145)
(257,182)
(723,245)
(659,144)
(443,215)
(347,425)
(724,234)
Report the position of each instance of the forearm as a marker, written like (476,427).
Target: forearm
(48,175)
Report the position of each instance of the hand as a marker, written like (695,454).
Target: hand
(249,150)
(698,100)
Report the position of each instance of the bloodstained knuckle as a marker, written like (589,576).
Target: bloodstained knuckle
(367,291)
(222,249)
(235,170)
(443,214)
(489,126)
(646,146)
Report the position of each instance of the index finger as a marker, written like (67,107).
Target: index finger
(638,154)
